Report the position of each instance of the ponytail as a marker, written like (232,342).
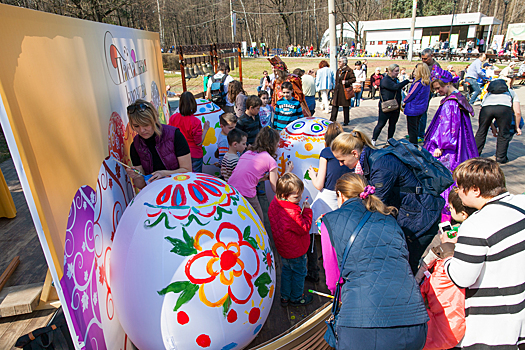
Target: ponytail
(352,185)
(346,142)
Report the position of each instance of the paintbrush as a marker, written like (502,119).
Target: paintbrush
(127,166)
(305,201)
(321,294)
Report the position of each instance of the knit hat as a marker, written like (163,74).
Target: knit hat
(443,75)
(277,63)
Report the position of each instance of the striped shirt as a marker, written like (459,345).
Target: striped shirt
(286,111)
(223,146)
(229,162)
(489,262)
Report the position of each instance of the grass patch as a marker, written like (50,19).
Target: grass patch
(252,69)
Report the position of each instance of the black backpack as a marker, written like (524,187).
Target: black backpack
(498,86)
(433,176)
(218,96)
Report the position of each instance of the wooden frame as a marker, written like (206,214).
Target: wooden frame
(211,53)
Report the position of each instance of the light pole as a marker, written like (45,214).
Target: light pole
(450,32)
(506,2)
(241,21)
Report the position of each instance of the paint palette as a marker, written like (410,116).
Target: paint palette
(191,266)
(301,142)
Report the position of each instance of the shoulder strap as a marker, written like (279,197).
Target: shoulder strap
(337,295)
(223,79)
(353,236)
(508,205)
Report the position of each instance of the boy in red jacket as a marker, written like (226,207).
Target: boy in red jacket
(291,231)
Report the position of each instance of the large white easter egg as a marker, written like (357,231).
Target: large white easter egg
(209,111)
(191,266)
(301,142)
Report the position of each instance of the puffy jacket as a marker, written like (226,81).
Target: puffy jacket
(416,102)
(375,79)
(417,212)
(380,290)
(290,228)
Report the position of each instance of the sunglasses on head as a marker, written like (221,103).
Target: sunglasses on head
(141,107)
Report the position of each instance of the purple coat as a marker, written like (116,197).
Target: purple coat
(451,131)
(165,146)
(416,102)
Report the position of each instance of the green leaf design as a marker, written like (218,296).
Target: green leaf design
(162,216)
(220,211)
(203,120)
(261,283)
(307,175)
(186,289)
(218,125)
(226,305)
(182,248)
(247,238)
(192,218)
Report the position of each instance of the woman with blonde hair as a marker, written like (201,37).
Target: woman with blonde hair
(396,185)
(382,307)
(416,101)
(158,150)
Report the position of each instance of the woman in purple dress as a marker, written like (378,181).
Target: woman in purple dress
(450,137)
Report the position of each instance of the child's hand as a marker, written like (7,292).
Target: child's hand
(266,176)
(306,204)
(437,153)
(288,167)
(206,125)
(446,239)
(217,164)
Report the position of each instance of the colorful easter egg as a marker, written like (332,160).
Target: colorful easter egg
(191,266)
(301,142)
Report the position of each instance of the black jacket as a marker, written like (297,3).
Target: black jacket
(390,89)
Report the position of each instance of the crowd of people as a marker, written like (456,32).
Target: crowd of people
(386,225)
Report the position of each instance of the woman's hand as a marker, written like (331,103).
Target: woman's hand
(437,153)
(289,167)
(159,174)
(518,131)
(266,176)
(132,174)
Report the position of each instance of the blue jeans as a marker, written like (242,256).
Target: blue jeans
(476,88)
(292,278)
(196,165)
(310,102)
(356,100)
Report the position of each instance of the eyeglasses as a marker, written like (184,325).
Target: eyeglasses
(141,107)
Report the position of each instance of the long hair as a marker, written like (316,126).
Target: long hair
(149,116)
(332,132)
(267,140)
(422,72)
(346,142)
(351,185)
(281,75)
(234,89)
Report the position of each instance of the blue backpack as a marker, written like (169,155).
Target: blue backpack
(218,96)
(433,176)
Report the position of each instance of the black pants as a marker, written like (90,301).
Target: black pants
(416,247)
(391,118)
(311,255)
(413,128)
(346,114)
(372,92)
(503,116)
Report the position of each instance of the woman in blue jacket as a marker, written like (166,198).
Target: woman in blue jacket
(416,101)
(324,82)
(396,185)
(382,307)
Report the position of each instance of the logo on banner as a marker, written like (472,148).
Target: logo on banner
(122,62)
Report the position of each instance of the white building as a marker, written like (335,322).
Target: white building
(428,30)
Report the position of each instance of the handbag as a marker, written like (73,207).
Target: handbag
(349,91)
(389,105)
(53,337)
(330,335)
(356,87)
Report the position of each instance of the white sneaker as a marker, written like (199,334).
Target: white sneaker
(374,143)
